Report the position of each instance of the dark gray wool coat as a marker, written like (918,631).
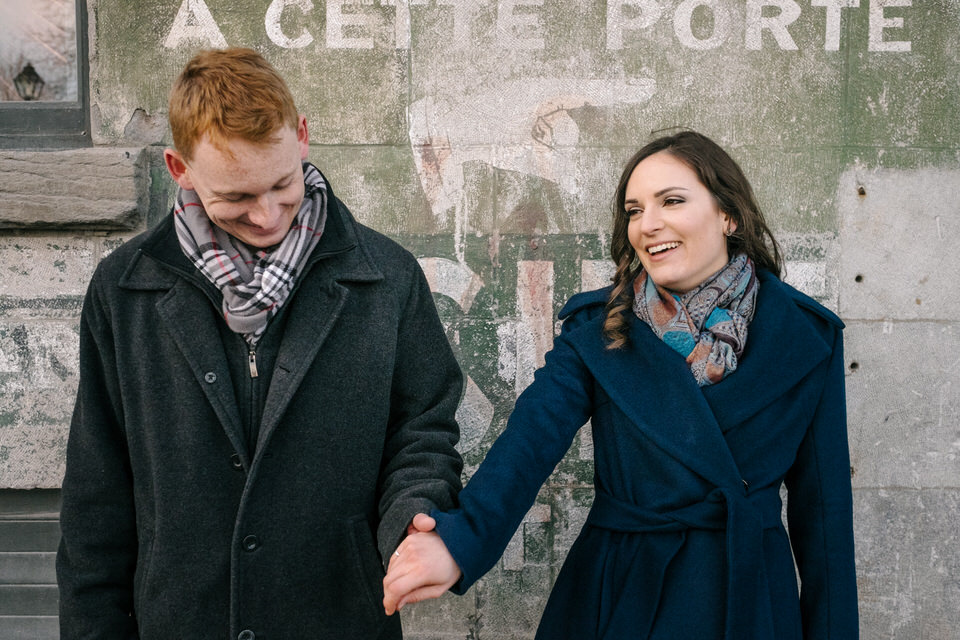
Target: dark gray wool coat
(174,525)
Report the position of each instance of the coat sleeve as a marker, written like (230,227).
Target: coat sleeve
(820,515)
(96,560)
(421,466)
(545,420)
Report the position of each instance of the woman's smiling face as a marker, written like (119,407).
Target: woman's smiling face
(676,226)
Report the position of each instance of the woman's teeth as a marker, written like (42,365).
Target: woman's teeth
(662,247)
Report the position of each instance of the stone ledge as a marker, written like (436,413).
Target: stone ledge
(98,188)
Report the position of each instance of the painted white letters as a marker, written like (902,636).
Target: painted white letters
(272,24)
(756,23)
(194,23)
(519,24)
(401,20)
(879,22)
(831,40)
(683,24)
(340,22)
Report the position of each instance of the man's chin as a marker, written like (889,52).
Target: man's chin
(264,241)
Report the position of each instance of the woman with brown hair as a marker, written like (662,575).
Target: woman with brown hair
(708,383)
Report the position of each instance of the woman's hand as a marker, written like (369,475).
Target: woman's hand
(421,568)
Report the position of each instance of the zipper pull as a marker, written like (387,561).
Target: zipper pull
(252,361)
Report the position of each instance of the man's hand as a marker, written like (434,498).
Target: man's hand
(421,569)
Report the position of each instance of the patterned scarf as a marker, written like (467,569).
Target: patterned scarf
(707,325)
(255,283)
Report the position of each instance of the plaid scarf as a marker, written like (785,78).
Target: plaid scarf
(708,324)
(255,283)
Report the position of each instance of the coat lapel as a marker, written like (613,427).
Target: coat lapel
(314,309)
(312,315)
(651,384)
(161,266)
(782,348)
(184,314)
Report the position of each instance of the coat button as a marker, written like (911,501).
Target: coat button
(210,377)
(236,462)
(246,634)
(250,543)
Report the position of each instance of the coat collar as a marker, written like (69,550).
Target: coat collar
(314,306)
(165,261)
(783,346)
(652,385)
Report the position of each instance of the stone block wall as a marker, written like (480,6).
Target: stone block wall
(487,136)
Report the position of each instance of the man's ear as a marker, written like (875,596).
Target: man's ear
(177,168)
(303,136)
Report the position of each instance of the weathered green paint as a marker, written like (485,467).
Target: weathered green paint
(908,99)
(488,138)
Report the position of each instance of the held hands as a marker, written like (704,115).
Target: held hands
(421,568)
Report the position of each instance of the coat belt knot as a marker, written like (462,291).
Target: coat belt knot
(749,613)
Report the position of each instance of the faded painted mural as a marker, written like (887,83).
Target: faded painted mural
(487,136)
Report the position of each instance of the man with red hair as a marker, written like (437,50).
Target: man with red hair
(266,395)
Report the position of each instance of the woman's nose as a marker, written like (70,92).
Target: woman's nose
(651,221)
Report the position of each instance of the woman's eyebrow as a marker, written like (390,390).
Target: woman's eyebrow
(656,195)
(663,191)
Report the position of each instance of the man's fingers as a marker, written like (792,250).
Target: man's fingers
(423,522)
(424,593)
(397,587)
(423,569)
(389,606)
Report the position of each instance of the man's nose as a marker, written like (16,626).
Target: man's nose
(264,210)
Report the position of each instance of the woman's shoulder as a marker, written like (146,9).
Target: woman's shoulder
(803,301)
(583,308)
(586,304)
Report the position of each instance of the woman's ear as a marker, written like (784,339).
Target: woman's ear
(729,225)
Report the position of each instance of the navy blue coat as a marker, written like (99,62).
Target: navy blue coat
(685,537)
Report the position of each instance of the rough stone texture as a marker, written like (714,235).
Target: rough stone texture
(897,259)
(488,136)
(898,235)
(907,563)
(84,188)
(28,272)
(903,400)
(38,380)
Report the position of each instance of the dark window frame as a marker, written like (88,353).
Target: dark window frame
(52,125)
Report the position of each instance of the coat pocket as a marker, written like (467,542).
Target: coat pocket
(367,567)
(141,579)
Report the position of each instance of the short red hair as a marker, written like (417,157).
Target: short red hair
(228,93)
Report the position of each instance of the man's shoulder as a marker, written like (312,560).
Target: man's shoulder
(136,264)
(384,252)
(378,241)
(116,263)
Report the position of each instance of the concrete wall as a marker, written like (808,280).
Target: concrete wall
(487,137)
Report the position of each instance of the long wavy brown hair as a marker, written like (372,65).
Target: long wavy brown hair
(722,176)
